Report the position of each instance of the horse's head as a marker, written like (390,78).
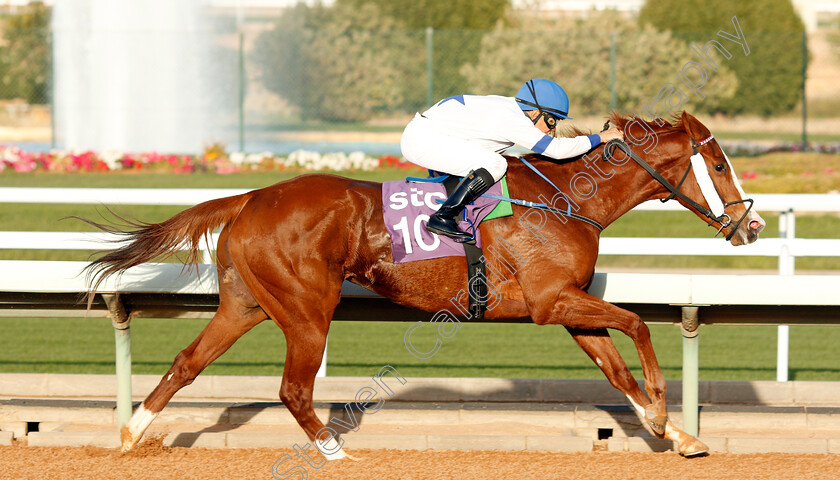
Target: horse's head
(717,187)
(693,161)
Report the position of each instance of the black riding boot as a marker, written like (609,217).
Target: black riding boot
(471,187)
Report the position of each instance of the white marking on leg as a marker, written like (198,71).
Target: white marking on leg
(599,362)
(672,433)
(645,416)
(330,449)
(640,411)
(169,377)
(140,421)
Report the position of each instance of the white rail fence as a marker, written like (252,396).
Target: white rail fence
(50,288)
(786,247)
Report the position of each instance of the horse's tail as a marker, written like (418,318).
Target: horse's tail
(149,241)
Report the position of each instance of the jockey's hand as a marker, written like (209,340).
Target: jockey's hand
(608,135)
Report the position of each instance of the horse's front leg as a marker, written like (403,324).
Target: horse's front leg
(580,311)
(601,349)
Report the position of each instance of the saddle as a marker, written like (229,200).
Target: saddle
(408,203)
(476,269)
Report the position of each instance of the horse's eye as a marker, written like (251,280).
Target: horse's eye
(720,167)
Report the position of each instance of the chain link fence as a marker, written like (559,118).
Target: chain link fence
(25,70)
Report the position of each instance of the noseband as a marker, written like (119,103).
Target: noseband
(723,219)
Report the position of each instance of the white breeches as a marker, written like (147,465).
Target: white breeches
(425,144)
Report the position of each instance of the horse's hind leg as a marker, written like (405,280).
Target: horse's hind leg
(303,309)
(230,322)
(305,321)
(304,351)
(601,349)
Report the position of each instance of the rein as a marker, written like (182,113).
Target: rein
(523,203)
(723,219)
(542,206)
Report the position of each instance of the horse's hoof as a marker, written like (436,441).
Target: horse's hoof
(657,422)
(332,451)
(692,447)
(126,439)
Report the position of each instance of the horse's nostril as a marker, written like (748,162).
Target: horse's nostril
(755,225)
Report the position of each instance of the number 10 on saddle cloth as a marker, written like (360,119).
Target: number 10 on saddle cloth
(407,206)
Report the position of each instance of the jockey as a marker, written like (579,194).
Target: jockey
(464,135)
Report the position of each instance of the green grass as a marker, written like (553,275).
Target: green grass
(29,217)
(686,224)
(172,180)
(360,348)
(777,136)
(35,217)
(52,217)
(786,172)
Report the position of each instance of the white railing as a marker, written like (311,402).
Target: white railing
(786,248)
(772,300)
(766,247)
(772,202)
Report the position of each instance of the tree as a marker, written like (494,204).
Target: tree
(770,77)
(357,58)
(439,14)
(25,54)
(576,54)
(458,28)
(338,63)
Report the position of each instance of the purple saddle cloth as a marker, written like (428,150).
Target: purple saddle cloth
(407,206)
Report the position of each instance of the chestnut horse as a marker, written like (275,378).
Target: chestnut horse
(285,250)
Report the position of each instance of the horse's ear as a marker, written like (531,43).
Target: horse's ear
(693,127)
(688,122)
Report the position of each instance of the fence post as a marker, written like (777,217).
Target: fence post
(613,99)
(241,92)
(122,338)
(690,328)
(52,89)
(787,230)
(804,99)
(430,55)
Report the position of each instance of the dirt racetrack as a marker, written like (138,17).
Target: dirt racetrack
(154,461)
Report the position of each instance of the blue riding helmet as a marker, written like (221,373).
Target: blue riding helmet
(545,96)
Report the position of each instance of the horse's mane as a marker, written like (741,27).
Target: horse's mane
(621,120)
(674,124)
(659,125)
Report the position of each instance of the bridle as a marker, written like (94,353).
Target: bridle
(723,219)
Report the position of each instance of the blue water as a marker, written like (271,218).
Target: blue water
(34,147)
(282,148)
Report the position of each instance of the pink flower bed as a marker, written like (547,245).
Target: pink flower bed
(214,160)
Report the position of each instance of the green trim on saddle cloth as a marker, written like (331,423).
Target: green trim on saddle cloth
(503,209)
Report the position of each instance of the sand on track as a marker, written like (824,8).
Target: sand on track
(152,460)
